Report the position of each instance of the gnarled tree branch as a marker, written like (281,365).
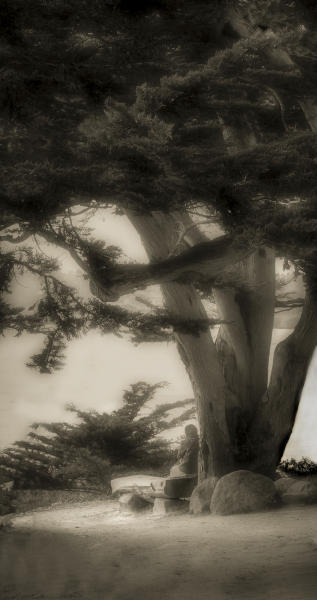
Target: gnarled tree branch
(202,263)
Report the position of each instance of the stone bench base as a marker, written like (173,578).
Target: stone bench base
(163,506)
(133,503)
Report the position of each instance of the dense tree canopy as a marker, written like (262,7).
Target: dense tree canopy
(171,113)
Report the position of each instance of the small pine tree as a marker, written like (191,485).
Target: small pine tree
(99,446)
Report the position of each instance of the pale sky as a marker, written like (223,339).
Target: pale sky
(98,368)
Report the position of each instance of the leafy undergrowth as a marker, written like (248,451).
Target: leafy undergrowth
(303,467)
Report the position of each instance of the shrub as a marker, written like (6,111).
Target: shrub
(305,466)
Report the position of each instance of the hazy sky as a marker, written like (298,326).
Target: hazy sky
(98,368)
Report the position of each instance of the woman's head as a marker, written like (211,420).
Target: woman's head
(191,431)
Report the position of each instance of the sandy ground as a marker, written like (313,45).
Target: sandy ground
(91,551)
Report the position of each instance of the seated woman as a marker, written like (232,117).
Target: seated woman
(187,457)
(186,467)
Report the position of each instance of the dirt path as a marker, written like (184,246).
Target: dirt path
(91,552)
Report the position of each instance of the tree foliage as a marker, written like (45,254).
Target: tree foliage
(99,445)
(95,114)
(304,467)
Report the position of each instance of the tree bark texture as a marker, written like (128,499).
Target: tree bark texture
(203,263)
(198,352)
(277,410)
(244,423)
(243,344)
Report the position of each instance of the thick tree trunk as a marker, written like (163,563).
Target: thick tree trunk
(276,413)
(243,423)
(243,345)
(200,358)
(243,348)
(239,426)
(198,352)
(244,339)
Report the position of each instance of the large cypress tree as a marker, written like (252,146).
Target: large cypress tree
(172,113)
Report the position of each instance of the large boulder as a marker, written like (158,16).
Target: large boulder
(242,492)
(301,492)
(133,503)
(283,484)
(201,496)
